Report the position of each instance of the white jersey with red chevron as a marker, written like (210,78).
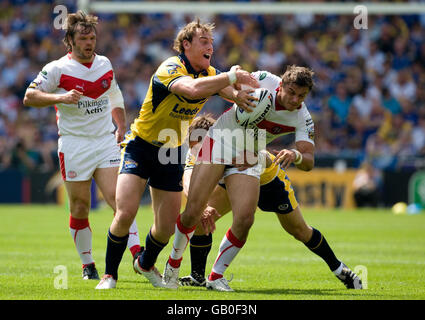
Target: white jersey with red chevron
(278,121)
(91,116)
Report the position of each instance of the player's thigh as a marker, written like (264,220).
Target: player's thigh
(129,192)
(106,180)
(243,191)
(166,205)
(79,198)
(295,225)
(220,201)
(203,181)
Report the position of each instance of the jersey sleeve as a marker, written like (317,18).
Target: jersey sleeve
(48,78)
(305,127)
(115,95)
(267,80)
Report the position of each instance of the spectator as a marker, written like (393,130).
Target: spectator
(366,185)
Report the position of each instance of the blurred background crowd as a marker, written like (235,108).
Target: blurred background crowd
(368,103)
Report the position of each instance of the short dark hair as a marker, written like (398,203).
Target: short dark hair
(301,76)
(78,22)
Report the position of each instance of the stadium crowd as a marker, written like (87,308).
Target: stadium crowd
(368,103)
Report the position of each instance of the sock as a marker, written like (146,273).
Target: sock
(82,236)
(133,239)
(181,239)
(150,254)
(320,246)
(229,248)
(114,251)
(200,247)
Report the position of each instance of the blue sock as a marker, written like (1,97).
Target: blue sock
(320,246)
(150,254)
(114,251)
(200,247)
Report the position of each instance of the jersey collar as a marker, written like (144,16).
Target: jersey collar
(189,67)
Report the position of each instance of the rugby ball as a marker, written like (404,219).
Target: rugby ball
(261,110)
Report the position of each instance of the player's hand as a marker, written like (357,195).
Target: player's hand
(244,100)
(244,77)
(71,97)
(207,219)
(119,134)
(285,157)
(246,159)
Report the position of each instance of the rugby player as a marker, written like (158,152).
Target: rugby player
(276,195)
(288,114)
(88,101)
(178,90)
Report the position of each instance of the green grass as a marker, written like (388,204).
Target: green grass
(272,265)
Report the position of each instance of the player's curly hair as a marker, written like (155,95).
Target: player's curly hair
(201,124)
(189,31)
(78,22)
(301,76)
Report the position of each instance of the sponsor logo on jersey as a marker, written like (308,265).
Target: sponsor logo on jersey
(310,132)
(93,106)
(263,75)
(308,122)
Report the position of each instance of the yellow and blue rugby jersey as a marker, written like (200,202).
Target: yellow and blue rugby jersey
(164,116)
(267,176)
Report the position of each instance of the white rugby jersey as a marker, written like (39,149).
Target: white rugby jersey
(91,116)
(278,121)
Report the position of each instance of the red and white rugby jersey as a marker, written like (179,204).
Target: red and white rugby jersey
(279,121)
(91,116)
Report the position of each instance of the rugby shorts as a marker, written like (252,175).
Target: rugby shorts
(278,195)
(79,157)
(146,160)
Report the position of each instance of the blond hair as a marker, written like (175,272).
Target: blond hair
(78,22)
(301,76)
(189,31)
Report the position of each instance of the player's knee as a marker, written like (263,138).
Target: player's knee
(124,218)
(245,222)
(79,208)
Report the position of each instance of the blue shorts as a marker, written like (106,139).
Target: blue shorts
(278,195)
(142,159)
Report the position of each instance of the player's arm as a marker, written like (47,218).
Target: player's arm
(118,111)
(242,98)
(207,86)
(302,156)
(38,98)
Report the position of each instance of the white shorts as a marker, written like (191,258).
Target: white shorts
(216,152)
(79,157)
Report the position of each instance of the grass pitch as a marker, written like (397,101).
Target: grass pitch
(386,249)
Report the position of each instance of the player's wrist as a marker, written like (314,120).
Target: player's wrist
(298,157)
(232,75)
